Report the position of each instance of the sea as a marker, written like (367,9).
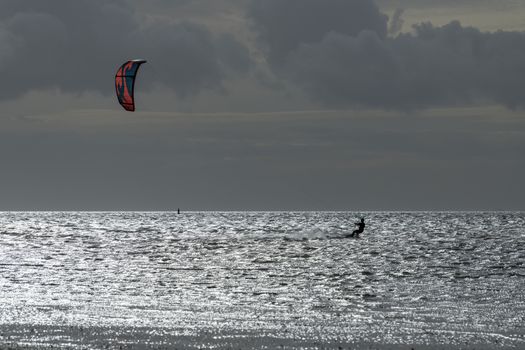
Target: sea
(262,280)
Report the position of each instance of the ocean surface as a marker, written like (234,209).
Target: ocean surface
(262,280)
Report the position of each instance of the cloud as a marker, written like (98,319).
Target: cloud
(77,47)
(278,161)
(342,66)
(448,3)
(336,52)
(396,22)
(283,25)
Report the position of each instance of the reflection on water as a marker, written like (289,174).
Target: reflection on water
(412,278)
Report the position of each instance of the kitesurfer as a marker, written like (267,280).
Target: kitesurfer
(360,228)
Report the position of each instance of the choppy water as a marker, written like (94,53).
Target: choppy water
(151,279)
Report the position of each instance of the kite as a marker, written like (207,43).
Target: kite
(125,83)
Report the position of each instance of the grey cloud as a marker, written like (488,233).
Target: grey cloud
(396,22)
(433,66)
(183,53)
(283,25)
(234,55)
(447,3)
(342,70)
(77,46)
(331,161)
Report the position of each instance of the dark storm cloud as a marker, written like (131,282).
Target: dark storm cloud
(358,65)
(78,45)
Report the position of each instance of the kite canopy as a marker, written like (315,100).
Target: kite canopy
(125,83)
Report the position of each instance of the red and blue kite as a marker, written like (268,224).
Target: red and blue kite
(125,83)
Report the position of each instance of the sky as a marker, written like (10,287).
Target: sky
(263,105)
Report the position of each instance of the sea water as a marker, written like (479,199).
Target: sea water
(262,280)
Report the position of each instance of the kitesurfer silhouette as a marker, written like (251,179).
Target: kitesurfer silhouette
(361,227)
